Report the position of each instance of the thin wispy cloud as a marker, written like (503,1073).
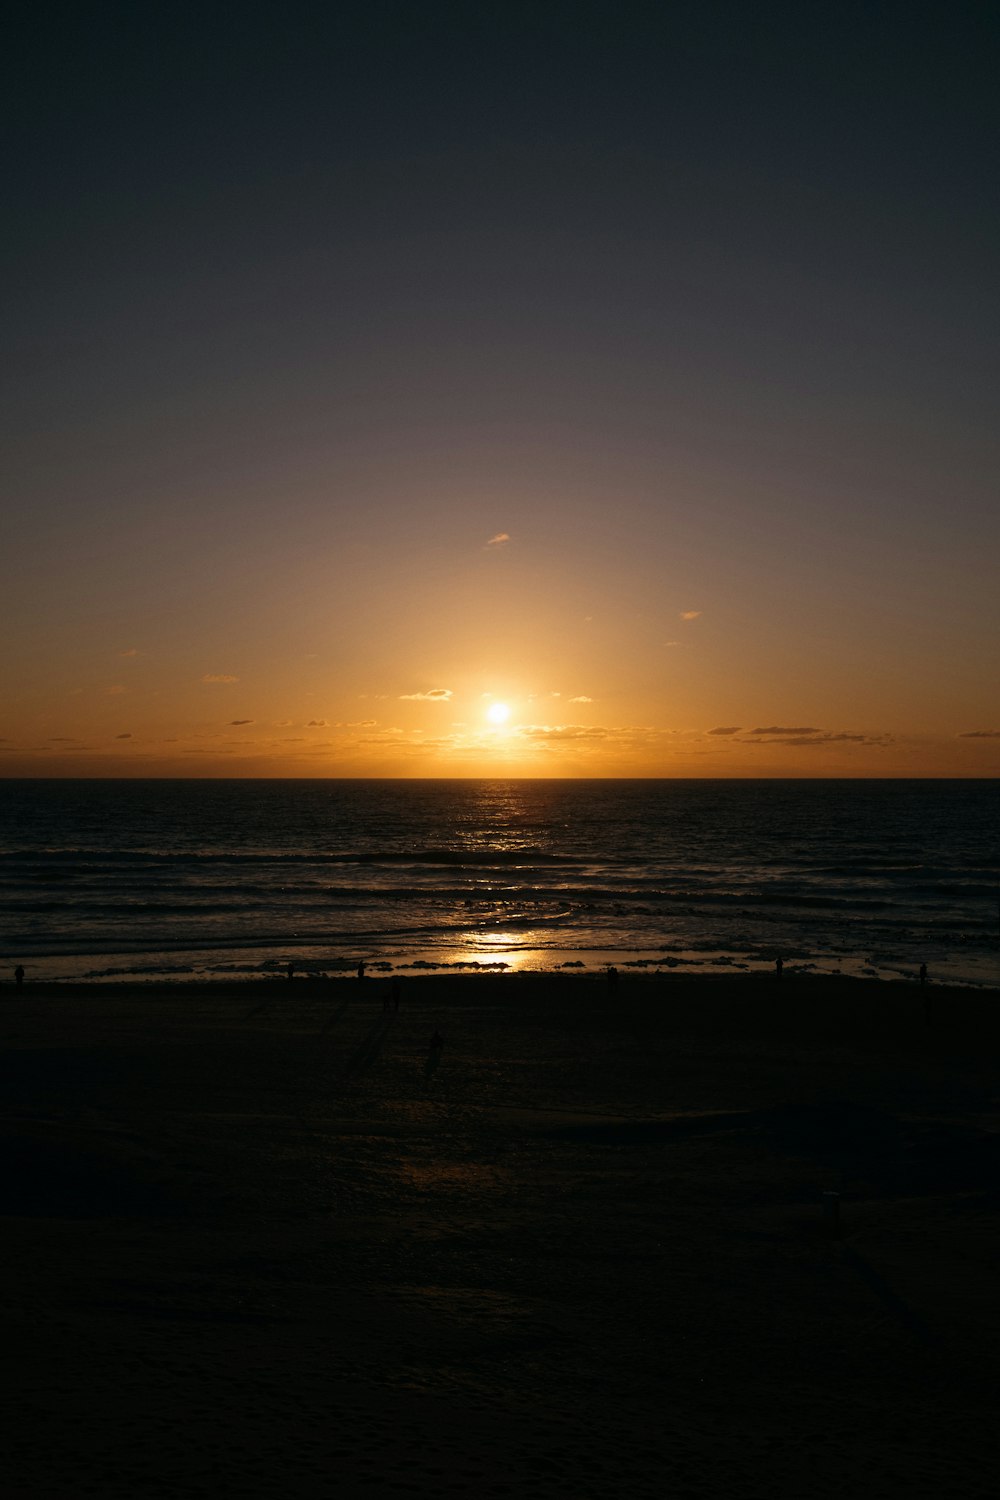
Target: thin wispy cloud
(133,652)
(219,677)
(318,724)
(500,540)
(241,721)
(116,690)
(554,733)
(726,729)
(784,729)
(810,738)
(981,734)
(689,614)
(844,737)
(123,736)
(432,695)
(582,698)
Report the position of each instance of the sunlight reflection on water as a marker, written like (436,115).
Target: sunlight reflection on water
(491,948)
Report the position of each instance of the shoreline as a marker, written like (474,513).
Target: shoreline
(510,963)
(380,976)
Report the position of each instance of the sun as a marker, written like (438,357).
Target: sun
(498,713)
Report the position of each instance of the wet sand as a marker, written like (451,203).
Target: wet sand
(256,1246)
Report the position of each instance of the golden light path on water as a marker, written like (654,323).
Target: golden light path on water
(491,948)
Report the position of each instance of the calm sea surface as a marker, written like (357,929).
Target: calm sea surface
(118,879)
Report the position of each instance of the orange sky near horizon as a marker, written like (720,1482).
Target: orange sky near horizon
(604,674)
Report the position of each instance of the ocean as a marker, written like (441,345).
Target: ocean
(199,879)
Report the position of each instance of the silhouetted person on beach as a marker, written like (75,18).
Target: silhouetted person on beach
(779,964)
(361,969)
(291,971)
(19,976)
(925,1004)
(612,978)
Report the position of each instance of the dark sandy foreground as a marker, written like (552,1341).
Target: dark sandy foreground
(252,1249)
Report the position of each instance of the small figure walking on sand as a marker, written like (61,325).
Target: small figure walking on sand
(19,975)
(361,969)
(923,973)
(612,978)
(779,964)
(291,971)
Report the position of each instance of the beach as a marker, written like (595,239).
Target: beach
(263,1240)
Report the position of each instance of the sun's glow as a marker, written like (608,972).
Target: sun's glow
(498,713)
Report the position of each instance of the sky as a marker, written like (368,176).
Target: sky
(626,370)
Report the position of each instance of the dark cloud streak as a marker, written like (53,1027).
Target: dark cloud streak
(780,729)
